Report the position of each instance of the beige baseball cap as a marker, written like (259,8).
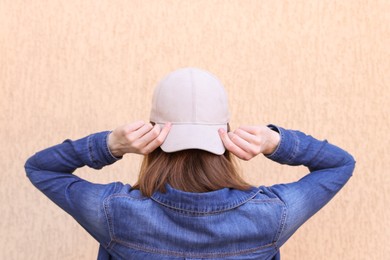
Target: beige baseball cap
(196,104)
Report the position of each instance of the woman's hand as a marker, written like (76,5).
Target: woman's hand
(137,138)
(248,141)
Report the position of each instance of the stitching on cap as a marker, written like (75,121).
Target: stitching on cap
(160,85)
(193,89)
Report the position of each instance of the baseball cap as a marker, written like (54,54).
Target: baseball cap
(196,104)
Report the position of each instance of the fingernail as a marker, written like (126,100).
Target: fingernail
(221,130)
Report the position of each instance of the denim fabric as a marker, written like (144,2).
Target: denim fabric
(223,224)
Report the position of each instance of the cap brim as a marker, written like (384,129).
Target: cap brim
(187,136)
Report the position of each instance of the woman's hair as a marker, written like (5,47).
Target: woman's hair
(188,170)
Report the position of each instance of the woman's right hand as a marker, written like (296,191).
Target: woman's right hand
(137,138)
(248,141)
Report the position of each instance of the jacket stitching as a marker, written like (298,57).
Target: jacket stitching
(190,254)
(282,224)
(232,205)
(90,151)
(259,201)
(295,148)
(109,220)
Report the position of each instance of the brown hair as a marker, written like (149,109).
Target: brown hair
(188,170)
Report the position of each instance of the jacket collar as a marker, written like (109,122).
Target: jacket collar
(207,202)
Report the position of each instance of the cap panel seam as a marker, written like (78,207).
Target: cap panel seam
(193,89)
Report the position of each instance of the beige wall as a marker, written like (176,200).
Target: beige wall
(70,68)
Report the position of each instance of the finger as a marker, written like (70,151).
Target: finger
(230,145)
(250,138)
(255,130)
(156,142)
(137,134)
(241,143)
(250,143)
(249,129)
(149,136)
(134,126)
(164,132)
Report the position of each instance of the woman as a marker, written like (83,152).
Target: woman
(189,202)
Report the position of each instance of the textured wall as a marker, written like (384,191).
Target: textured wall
(70,68)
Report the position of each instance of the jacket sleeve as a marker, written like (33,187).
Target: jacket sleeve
(50,171)
(330,168)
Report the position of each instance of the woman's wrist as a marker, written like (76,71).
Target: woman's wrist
(273,142)
(114,146)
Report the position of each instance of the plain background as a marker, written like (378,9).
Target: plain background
(71,68)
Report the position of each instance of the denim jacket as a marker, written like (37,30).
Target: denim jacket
(223,224)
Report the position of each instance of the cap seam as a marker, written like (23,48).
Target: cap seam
(158,94)
(193,89)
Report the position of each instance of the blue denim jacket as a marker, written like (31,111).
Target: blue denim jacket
(223,224)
